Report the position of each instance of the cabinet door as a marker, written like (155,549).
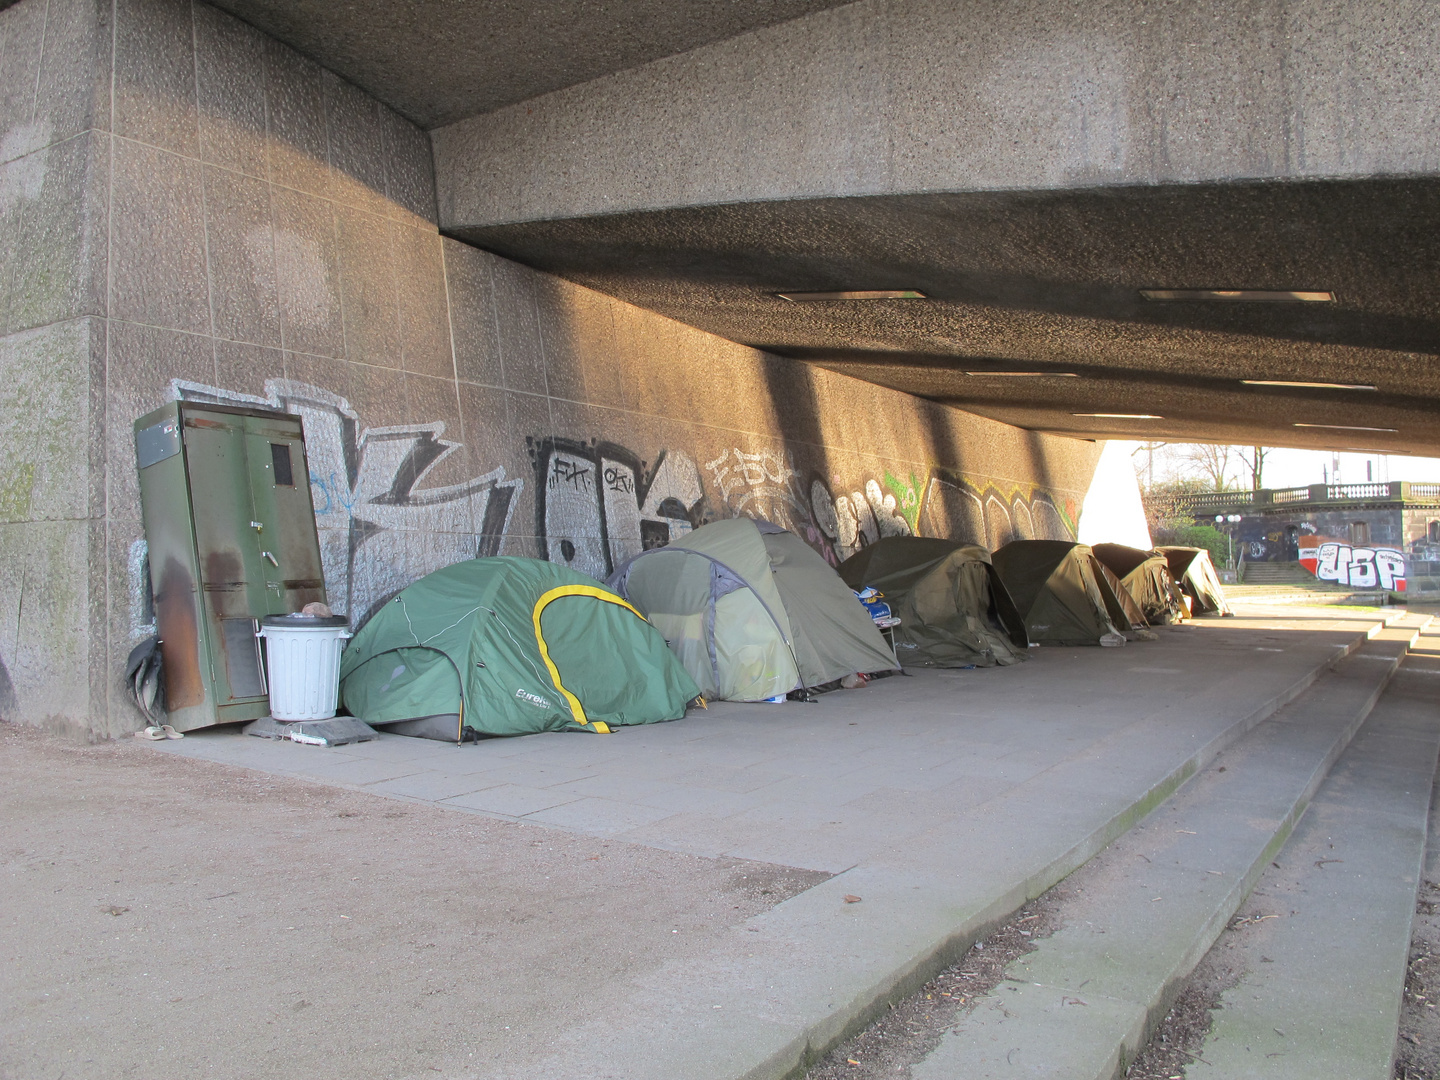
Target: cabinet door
(279,479)
(230,566)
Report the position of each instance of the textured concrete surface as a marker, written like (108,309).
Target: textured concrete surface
(942,801)
(1031,167)
(239,223)
(1325,1000)
(1143,914)
(437,62)
(1050,281)
(906,96)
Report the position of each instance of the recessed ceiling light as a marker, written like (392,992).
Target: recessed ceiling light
(1241,295)
(856,294)
(1025,374)
(1346,427)
(1307,385)
(1120,415)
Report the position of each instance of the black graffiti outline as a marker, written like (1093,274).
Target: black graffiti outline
(595,452)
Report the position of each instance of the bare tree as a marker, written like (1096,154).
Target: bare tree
(1255,462)
(1143,458)
(1211,462)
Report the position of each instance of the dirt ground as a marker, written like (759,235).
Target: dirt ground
(164,917)
(913,1027)
(1417,1052)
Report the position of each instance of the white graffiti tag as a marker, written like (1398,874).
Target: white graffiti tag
(380,528)
(1364,568)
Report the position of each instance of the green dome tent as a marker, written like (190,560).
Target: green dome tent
(1060,590)
(510,646)
(1146,576)
(1195,573)
(752,611)
(954,610)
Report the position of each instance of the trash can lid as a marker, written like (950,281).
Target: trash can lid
(304,622)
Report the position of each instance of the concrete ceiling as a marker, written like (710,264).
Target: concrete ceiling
(438,61)
(1049,281)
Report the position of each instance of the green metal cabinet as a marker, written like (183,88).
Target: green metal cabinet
(225,495)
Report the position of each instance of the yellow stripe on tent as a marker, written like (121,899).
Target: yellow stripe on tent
(576,709)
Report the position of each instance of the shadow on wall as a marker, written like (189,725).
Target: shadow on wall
(8,701)
(597,503)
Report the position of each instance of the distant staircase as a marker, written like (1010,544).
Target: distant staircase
(1277,573)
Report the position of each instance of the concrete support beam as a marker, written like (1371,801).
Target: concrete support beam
(903,96)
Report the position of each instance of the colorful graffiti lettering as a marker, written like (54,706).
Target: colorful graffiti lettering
(380,528)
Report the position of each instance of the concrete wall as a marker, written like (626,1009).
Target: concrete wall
(905,96)
(236,223)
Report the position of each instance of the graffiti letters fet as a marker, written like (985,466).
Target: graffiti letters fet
(379,528)
(597,504)
(1361,567)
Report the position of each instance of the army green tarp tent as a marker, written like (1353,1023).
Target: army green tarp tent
(953,608)
(1060,590)
(510,646)
(752,611)
(1146,576)
(1195,574)
(1124,612)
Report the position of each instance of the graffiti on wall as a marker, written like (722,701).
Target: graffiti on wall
(380,527)
(957,507)
(1360,567)
(597,504)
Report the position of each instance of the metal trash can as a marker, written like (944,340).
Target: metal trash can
(302,654)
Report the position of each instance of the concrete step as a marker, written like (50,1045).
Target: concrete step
(1277,573)
(1149,907)
(792,983)
(1325,936)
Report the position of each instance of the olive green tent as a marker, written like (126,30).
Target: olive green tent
(1146,575)
(510,646)
(752,611)
(1195,574)
(1124,612)
(1060,590)
(953,607)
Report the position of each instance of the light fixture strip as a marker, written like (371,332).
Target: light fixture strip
(1347,427)
(1306,385)
(1024,374)
(855,294)
(1241,296)
(1119,415)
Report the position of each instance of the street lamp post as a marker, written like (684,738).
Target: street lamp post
(1232,520)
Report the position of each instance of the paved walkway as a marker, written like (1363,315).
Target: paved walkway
(939,803)
(828,786)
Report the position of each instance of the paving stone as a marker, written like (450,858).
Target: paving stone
(601,817)
(511,800)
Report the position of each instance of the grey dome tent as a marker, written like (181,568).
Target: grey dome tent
(1060,590)
(752,611)
(1195,574)
(1146,576)
(954,610)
